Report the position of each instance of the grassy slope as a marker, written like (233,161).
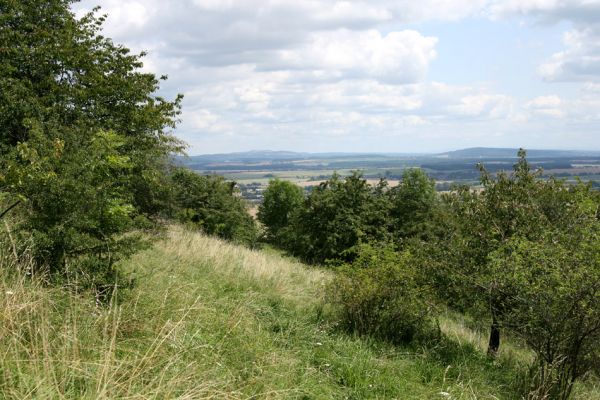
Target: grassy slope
(211,320)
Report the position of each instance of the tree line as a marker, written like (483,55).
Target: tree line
(521,254)
(86,167)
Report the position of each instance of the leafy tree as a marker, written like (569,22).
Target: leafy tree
(554,294)
(412,203)
(338,215)
(84,136)
(517,205)
(281,199)
(211,204)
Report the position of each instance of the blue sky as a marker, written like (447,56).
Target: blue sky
(381,76)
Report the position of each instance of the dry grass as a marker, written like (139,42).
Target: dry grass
(290,279)
(211,320)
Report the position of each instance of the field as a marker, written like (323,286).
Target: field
(210,320)
(253,170)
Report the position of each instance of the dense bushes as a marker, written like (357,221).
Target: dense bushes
(84,138)
(382,293)
(521,255)
(554,305)
(211,204)
(340,214)
(86,147)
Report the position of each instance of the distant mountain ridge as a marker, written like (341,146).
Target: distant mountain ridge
(468,153)
(500,152)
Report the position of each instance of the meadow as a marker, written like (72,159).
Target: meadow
(212,320)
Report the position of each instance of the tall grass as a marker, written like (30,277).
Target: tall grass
(210,320)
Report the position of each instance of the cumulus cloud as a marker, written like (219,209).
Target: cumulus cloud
(580,60)
(401,57)
(278,73)
(548,106)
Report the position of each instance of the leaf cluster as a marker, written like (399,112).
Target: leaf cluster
(85,139)
(210,203)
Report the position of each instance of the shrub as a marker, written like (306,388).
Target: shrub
(337,216)
(281,199)
(84,138)
(380,294)
(555,306)
(211,204)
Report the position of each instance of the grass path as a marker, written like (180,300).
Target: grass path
(210,320)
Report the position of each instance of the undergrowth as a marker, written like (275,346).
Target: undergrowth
(207,319)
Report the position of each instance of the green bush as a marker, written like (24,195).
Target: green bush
(84,141)
(556,305)
(211,204)
(381,294)
(337,216)
(281,199)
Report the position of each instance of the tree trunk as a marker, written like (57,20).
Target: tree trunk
(494,343)
(9,208)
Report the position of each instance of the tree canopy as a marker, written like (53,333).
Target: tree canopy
(85,137)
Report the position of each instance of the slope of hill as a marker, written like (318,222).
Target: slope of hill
(207,319)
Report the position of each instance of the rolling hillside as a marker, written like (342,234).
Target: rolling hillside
(207,319)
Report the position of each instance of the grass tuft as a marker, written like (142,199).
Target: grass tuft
(211,320)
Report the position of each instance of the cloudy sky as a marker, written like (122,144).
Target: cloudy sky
(379,75)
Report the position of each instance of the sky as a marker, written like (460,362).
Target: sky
(371,76)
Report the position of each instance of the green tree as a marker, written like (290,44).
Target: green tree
(553,288)
(84,136)
(211,204)
(280,200)
(510,206)
(338,215)
(412,203)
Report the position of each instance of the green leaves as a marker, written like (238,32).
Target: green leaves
(552,286)
(524,252)
(337,216)
(381,293)
(280,200)
(85,140)
(211,204)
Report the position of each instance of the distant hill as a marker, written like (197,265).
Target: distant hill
(255,156)
(491,152)
(249,156)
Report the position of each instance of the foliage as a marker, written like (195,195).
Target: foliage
(381,293)
(520,253)
(555,307)
(211,204)
(480,222)
(412,203)
(280,200)
(247,324)
(338,215)
(85,139)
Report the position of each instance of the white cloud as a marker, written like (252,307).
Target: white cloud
(551,101)
(580,60)
(281,73)
(487,105)
(547,106)
(401,57)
